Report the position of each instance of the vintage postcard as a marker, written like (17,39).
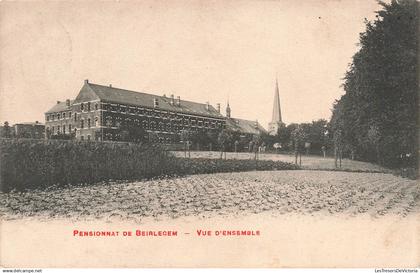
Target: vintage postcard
(272,134)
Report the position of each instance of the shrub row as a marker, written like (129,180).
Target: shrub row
(206,165)
(29,164)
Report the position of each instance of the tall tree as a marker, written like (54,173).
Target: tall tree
(377,115)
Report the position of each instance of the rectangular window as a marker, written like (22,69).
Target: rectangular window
(64,129)
(82,124)
(69,114)
(70,128)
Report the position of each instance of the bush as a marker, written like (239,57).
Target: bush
(29,164)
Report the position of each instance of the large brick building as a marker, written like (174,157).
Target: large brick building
(102,112)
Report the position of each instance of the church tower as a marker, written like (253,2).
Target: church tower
(276,121)
(228,110)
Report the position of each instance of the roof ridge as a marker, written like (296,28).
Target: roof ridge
(132,91)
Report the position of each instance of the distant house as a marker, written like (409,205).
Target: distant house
(29,130)
(245,128)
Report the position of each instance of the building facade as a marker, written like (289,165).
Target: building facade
(107,113)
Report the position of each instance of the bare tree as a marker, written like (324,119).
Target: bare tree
(338,147)
(223,139)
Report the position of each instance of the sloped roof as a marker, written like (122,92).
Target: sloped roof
(61,106)
(244,126)
(122,96)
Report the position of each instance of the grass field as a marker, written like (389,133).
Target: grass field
(308,162)
(280,192)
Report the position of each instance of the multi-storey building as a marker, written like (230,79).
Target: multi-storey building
(103,112)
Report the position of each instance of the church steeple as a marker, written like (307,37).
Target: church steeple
(228,110)
(276,121)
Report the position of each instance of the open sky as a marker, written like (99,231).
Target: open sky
(200,50)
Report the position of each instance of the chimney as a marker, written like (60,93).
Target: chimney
(110,85)
(36,122)
(218,107)
(86,81)
(172,100)
(178,101)
(207,106)
(58,102)
(155,103)
(67,102)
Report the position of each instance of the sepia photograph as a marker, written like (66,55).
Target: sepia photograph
(209,134)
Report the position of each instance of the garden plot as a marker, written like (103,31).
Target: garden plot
(206,195)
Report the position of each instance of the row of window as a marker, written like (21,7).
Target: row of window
(58,116)
(68,114)
(87,106)
(113,121)
(162,126)
(141,111)
(60,129)
(88,123)
(87,137)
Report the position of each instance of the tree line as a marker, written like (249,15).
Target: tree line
(376,119)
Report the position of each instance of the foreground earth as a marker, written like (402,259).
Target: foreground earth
(304,192)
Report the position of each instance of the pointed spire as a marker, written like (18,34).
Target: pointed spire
(276,117)
(228,109)
(276,120)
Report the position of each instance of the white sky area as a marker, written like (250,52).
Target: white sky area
(199,50)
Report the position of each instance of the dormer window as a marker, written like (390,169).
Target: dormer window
(96,106)
(82,106)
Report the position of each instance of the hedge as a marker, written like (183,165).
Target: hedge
(26,164)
